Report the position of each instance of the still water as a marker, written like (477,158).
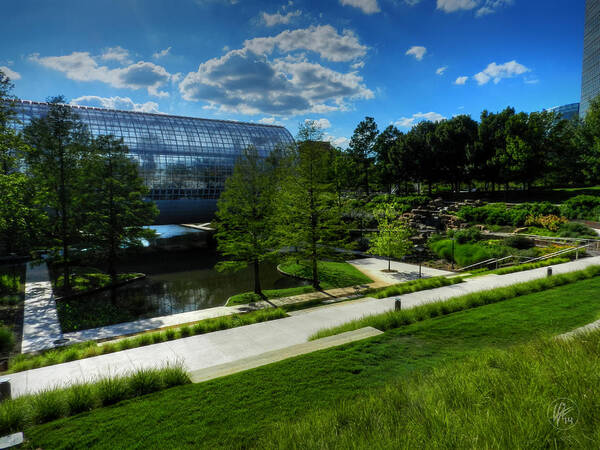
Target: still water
(182,280)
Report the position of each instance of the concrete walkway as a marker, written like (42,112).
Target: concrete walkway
(40,319)
(373,267)
(227,346)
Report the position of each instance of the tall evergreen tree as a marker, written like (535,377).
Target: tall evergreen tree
(59,141)
(307,218)
(113,192)
(361,148)
(245,211)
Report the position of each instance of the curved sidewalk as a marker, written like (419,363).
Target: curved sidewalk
(227,346)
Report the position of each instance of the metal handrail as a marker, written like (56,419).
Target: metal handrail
(560,252)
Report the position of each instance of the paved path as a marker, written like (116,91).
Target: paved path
(581,330)
(372,267)
(209,350)
(40,319)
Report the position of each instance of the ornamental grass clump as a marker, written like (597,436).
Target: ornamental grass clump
(52,404)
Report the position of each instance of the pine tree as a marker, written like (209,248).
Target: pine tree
(245,214)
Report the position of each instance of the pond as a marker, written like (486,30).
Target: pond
(177,281)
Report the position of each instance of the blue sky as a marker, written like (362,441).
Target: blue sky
(335,61)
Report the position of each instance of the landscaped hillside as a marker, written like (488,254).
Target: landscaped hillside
(507,389)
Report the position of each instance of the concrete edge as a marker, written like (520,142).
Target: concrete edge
(263,359)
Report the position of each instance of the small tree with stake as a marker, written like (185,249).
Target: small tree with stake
(393,238)
(244,215)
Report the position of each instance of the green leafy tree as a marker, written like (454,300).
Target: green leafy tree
(22,218)
(384,164)
(588,141)
(393,237)
(59,142)
(245,227)
(455,142)
(12,146)
(307,218)
(113,192)
(361,148)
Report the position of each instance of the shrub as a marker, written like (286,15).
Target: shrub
(170,334)
(472,234)
(7,339)
(582,207)
(500,214)
(576,230)
(550,222)
(13,415)
(9,284)
(467,254)
(519,242)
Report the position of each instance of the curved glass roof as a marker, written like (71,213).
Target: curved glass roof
(179,157)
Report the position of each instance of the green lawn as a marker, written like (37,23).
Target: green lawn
(236,411)
(331,274)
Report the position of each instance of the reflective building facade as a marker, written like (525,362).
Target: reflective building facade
(568,112)
(184,161)
(590,80)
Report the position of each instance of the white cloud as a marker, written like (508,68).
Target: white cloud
(247,82)
(278,18)
(497,72)
(10,73)
(366,6)
(417,51)
(456,5)
(341,142)
(117,53)
(80,66)
(484,7)
(323,39)
(121,103)
(461,80)
(491,6)
(441,70)
(270,121)
(532,81)
(358,65)
(322,123)
(408,122)
(161,53)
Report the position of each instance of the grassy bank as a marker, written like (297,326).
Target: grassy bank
(238,410)
(497,399)
(332,275)
(395,319)
(53,404)
(89,349)
(521,267)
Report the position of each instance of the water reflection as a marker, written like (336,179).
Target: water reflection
(181,281)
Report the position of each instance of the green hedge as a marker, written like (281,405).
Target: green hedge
(582,207)
(500,214)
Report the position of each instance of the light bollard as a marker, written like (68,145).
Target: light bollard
(549,271)
(398,304)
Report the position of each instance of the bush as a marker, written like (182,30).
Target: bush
(549,222)
(469,235)
(145,381)
(9,284)
(112,390)
(519,242)
(576,230)
(80,398)
(582,207)
(400,204)
(7,339)
(467,254)
(48,405)
(500,214)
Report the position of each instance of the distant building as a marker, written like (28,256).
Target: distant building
(184,161)
(590,80)
(568,112)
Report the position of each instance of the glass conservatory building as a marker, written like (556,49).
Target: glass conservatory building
(184,161)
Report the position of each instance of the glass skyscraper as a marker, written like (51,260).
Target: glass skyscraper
(184,161)
(566,111)
(590,81)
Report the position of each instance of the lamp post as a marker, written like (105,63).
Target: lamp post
(419,251)
(452,263)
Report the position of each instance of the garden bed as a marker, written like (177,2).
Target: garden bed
(12,295)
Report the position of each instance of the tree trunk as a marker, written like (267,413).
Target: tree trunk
(112,251)
(315,272)
(257,288)
(64,222)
